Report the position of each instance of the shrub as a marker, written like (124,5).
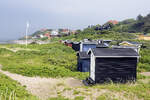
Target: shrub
(12,89)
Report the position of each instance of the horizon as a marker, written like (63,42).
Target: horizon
(63,14)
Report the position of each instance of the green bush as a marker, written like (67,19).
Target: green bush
(12,90)
(144,61)
(58,98)
(79,98)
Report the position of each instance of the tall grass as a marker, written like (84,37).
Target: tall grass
(12,90)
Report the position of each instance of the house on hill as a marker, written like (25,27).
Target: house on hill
(114,22)
(109,64)
(41,36)
(54,33)
(47,35)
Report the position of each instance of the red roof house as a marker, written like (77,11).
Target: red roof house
(114,22)
(47,35)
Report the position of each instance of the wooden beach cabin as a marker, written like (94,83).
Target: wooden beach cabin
(76,46)
(87,44)
(83,58)
(83,62)
(109,64)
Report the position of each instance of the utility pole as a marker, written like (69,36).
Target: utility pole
(27,28)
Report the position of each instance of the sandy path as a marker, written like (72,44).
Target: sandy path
(146,73)
(17,49)
(43,87)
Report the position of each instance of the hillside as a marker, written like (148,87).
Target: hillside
(123,30)
(141,24)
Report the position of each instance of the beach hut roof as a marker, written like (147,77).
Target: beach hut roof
(113,52)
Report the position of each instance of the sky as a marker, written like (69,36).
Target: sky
(54,14)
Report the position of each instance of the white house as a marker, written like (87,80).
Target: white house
(41,36)
(54,32)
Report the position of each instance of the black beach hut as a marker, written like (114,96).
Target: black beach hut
(116,65)
(76,46)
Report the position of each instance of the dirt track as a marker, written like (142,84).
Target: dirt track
(44,87)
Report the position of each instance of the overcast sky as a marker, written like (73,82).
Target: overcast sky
(74,14)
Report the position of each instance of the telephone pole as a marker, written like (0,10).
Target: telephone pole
(27,28)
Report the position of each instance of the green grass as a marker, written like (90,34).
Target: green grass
(50,60)
(144,61)
(12,90)
(79,98)
(59,98)
(75,92)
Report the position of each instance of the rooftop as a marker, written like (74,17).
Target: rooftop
(83,55)
(114,52)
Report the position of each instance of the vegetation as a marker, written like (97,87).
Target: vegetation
(93,35)
(58,98)
(130,91)
(79,98)
(12,90)
(50,60)
(140,90)
(144,64)
(141,24)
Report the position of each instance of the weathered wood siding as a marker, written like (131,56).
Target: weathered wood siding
(115,69)
(76,47)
